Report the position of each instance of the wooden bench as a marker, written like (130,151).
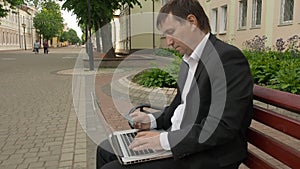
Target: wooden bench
(286,148)
(275,144)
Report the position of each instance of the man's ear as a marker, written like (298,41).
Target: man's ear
(192,20)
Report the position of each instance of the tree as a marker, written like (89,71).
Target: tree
(64,37)
(70,36)
(37,3)
(9,5)
(73,38)
(49,21)
(101,14)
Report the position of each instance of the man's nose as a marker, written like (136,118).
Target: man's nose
(169,40)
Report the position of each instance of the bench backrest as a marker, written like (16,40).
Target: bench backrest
(279,149)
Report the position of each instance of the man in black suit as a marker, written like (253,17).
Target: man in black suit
(205,125)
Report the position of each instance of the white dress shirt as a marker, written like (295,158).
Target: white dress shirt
(176,119)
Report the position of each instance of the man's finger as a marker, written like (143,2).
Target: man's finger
(141,147)
(141,134)
(137,143)
(138,125)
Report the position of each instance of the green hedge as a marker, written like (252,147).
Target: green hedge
(277,70)
(156,77)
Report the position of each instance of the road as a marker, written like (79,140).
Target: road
(38,126)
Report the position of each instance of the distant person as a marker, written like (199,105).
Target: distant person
(45,44)
(36,46)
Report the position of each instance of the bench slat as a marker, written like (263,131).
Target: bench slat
(277,121)
(255,162)
(277,98)
(280,151)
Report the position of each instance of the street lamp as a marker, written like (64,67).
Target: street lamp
(24,26)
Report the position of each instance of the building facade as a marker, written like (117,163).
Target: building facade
(137,26)
(233,21)
(16,29)
(236,21)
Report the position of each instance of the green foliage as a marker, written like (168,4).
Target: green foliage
(9,5)
(102,11)
(70,36)
(173,69)
(277,70)
(64,36)
(166,52)
(154,77)
(49,20)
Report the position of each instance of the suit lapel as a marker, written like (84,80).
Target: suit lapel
(193,94)
(204,58)
(182,75)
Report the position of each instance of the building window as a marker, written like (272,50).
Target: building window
(7,38)
(287,11)
(3,38)
(256,13)
(223,22)
(214,21)
(242,14)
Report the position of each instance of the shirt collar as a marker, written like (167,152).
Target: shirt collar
(196,55)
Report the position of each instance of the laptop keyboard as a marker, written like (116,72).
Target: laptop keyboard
(127,139)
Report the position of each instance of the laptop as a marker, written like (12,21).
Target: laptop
(120,141)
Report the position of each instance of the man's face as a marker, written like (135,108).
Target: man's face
(177,34)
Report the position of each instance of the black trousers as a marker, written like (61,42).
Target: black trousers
(107,160)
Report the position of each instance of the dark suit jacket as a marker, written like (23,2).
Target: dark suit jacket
(218,108)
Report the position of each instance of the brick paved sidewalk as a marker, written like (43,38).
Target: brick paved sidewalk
(39,128)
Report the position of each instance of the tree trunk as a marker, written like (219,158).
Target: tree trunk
(86,38)
(107,41)
(98,37)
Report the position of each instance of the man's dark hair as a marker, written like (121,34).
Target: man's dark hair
(181,9)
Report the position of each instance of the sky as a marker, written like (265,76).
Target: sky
(71,21)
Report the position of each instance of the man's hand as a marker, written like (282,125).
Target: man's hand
(141,120)
(146,140)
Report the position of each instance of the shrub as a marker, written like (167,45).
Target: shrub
(274,69)
(280,45)
(154,77)
(167,52)
(257,44)
(277,70)
(292,44)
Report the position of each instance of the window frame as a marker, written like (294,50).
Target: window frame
(243,14)
(214,21)
(224,19)
(282,20)
(255,14)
